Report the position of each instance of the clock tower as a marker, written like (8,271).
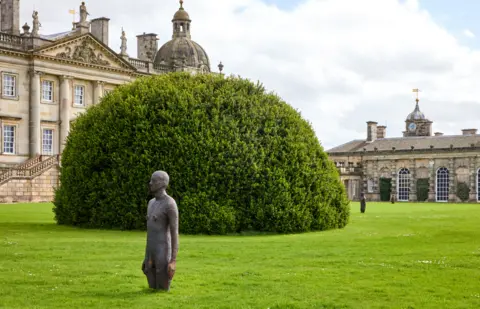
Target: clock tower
(417,124)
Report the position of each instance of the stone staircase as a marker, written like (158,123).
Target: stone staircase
(32,180)
(29,169)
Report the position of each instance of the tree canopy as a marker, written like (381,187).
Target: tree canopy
(239,159)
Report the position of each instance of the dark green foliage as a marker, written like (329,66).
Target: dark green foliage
(239,159)
(385,189)
(463,191)
(422,189)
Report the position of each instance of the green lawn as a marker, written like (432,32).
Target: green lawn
(393,256)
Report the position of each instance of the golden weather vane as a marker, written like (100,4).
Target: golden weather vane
(417,91)
(73,12)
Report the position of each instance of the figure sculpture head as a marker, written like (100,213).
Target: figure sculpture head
(158,181)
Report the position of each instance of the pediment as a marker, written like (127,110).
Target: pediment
(85,49)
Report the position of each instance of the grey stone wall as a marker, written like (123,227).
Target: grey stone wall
(39,189)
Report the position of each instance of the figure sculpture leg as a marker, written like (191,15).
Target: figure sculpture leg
(161,279)
(157,277)
(151,278)
(149,271)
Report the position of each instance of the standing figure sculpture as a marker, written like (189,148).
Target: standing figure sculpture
(83,13)
(123,46)
(162,235)
(363,203)
(36,24)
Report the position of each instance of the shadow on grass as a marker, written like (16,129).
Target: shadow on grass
(54,227)
(121,294)
(34,227)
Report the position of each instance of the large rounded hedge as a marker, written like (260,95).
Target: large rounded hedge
(239,159)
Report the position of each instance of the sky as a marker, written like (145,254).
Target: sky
(340,63)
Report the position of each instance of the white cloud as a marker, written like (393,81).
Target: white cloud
(468,33)
(341,62)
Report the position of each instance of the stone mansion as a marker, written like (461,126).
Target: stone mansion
(47,80)
(420,166)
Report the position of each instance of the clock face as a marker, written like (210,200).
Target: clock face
(412,126)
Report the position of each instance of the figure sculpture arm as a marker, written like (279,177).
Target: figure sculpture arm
(146,247)
(173,225)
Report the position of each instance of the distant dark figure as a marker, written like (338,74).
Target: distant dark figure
(363,203)
(392,198)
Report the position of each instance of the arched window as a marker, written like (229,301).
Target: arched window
(403,185)
(442,184)
(478,185)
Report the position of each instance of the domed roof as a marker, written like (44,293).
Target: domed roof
(181,14)
(183,48)
(416,114)
(181,51)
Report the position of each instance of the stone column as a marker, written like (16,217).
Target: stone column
(368,174)
(413,181)
(365,174)
(452,174)
(476,165)
(347,187)
(472,169)
(394,179)
(431,181)
(34,114)
(376,180)
(97,91)
(65,109)
(357,188)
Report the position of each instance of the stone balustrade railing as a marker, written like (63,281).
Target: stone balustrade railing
(16,41)
(5,176)
(350,169)
(44,165)
(158,68)
(11,39)
(31,162)
(142,64)
(161,68)
(30,168)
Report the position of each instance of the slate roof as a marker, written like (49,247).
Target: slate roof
(416,114)
(405,143)
(57,36)
(350,146)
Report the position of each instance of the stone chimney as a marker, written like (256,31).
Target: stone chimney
(10,16)
(99,29)
(371,131)
(147,46)
(381,131)
(438,134)
(469,132)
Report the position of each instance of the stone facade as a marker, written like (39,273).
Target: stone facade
(36,189)
(417,161)
(48,80)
